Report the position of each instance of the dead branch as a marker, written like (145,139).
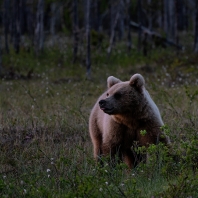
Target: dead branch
(156,36)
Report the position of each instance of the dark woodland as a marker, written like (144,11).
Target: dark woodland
(29,24)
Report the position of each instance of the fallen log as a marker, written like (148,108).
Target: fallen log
(156,36)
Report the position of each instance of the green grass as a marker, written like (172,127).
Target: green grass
(45,147)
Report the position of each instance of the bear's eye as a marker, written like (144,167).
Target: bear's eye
(107,94)
(117,96)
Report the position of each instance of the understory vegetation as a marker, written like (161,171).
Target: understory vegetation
(45,103)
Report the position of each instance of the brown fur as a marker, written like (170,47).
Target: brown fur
(119,115)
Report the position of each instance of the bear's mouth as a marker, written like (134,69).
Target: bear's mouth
(107,110)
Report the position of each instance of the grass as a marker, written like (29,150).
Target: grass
(45,146)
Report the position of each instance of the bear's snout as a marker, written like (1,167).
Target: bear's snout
(102,103)
(106,107)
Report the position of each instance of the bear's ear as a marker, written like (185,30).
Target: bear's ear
(137,80)
(111,80)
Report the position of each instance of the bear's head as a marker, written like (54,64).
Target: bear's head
(123,97)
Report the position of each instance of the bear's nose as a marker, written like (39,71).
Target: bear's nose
(102,102)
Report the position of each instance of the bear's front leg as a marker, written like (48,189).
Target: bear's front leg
(113,152)
(129,158)
(97,147)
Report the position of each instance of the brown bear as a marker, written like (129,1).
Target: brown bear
(119,117)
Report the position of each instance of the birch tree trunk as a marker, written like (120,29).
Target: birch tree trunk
(6,19)
(196,28)
(75,29)
(88,55)
(39,29)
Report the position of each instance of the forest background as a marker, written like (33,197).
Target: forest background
(55,57)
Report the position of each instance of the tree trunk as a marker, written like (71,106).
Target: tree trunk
(88,56)
(96,14)
(180,16)
(30,24)
(160,15)
(196,29)
(172,19)
(113,34)
(16,25)
(186,16)
(22,16)
(75,29)
(39,30)
(111,9)
(53,20)
(166,18)
(0,58)
(176,2)
(129,42)
(6,19)
(150,15)
(139,7)
(121,20)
